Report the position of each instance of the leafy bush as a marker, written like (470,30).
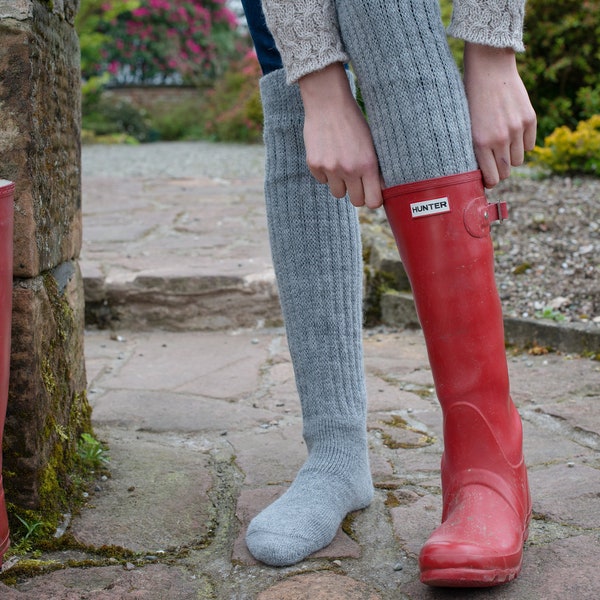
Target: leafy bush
(90,17)
(181,122)
(233,110)
(561,68)
(91,14)
(571,152)
(168,41)
(115,119)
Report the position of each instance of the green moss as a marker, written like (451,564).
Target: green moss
(348,525)
(376,284)
(60,479)
(396,421)
(391,500)
(28,568)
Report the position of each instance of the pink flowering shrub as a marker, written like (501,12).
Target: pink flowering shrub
(233,110)
(169,42)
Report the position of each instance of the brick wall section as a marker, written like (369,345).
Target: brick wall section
(40,151)
(156,99)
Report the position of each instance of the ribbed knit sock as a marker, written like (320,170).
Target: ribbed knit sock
(315,242)
(412,89)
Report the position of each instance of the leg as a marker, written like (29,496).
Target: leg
(449,259)
(268,55)
(420,124)
(411,86)
(315,243)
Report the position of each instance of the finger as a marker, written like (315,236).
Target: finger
(529,135)
(488,167)
(356,192)
(319,175)
(517,152)
(337,187)
(502,158)
(372,186)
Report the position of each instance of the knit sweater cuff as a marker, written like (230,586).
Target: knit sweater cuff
(306,33)
(497,23)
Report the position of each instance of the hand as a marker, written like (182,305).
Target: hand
(339,147)
(502,119)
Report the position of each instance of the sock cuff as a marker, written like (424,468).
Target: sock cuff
(282,103)
(413,93)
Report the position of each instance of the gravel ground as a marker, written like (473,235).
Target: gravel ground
(547,252)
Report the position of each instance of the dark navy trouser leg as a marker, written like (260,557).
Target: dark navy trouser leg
(266,50)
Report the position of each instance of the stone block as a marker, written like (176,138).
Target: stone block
(40,131)
(398,309)
(47,404)
(382,254)
(319,586)
(155,500)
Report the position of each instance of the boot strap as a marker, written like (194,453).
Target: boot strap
(498,211)
(479,215)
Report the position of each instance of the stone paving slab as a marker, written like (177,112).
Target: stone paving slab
(187,252)
(156,499)
(197,451)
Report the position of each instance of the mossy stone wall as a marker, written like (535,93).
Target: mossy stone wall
(40,151)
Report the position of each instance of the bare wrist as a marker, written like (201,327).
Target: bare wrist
(325,87)
(478,54)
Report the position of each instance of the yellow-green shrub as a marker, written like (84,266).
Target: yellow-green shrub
(569,152)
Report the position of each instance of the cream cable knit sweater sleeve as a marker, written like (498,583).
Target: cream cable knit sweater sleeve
(496,23)
(307,34)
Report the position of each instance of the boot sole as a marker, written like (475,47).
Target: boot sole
(467,578)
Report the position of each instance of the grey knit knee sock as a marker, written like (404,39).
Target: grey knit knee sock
(412,90)
(315,242)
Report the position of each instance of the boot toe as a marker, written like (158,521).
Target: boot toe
(464,564)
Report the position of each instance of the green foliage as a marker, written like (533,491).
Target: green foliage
(561,67)
(108,117)
(550,313)
(180,122)
(571,152)
(230,111)
(29,527)
(87,23)
(155,41)
(92,452)
(233,110)
(91,40)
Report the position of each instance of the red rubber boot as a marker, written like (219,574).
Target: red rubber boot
(442,229)
(6,263)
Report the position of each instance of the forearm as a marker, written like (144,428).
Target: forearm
(497,23)
(502,119)
(307,35)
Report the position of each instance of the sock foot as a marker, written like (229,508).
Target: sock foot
(307,516)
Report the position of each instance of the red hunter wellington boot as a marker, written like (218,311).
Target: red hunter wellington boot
(6,261)
(442,229)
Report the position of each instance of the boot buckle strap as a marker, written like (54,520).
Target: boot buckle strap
(498,211)
(479,215)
